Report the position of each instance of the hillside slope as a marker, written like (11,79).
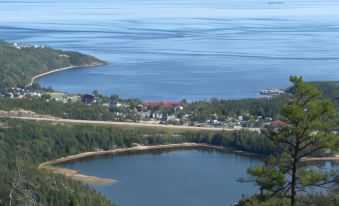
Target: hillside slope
(20,63)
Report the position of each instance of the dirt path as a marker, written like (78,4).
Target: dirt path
(132,124)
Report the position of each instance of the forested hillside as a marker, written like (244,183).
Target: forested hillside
(18,64)
(329,90)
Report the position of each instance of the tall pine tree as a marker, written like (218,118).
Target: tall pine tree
(309,131)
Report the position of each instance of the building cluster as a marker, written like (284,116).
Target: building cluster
(20,93)
(239,122)
(164,112)
(22,46)
(272,92)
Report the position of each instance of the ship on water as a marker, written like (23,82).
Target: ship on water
(272,92)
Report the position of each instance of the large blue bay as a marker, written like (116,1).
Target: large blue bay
(171,49)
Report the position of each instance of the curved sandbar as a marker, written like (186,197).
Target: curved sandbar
(50,165)
(76,175)
(61,69)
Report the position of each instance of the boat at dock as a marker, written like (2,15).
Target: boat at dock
(272,92)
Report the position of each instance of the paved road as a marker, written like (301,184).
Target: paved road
(130,124)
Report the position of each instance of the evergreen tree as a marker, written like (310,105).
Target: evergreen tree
(308,132)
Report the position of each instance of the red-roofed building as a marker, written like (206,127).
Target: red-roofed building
(174,103)
(278,123)
(166,103)
(153,103)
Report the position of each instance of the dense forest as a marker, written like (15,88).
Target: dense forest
(32,143)
(19,65)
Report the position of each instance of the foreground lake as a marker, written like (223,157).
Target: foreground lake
(194,177)
(173,49)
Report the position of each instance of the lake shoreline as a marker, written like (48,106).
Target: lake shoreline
(62,69)
(51,165)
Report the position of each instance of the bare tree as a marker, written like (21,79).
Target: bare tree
(22,190)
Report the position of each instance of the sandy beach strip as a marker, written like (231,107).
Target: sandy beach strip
(77,176)
(331,158)
(59,70)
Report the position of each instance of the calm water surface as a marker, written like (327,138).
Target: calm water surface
(173,177)
(174,49)
(182,177)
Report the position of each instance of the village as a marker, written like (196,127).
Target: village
(22,46)
(135,110)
